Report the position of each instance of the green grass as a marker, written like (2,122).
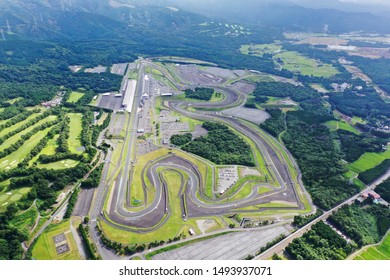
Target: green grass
(102,119)
(259,50)
(75,96)
(294,62)
(368,161)
(12,160)
(7,143)
(9,196)
(17,125)
(259,78)
(12,101)
(378,252)
(45,248)
(133,75)
(63,164)
(75,133)
(242,188)
(25,221)
(136,189)
(336,125)
(173,227)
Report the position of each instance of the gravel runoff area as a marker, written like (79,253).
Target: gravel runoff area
(234,246)
(253,115)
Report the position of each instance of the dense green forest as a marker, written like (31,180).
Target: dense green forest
(276,124)
(320,243)
(200,93)
(311,143)
(364,225)
(377,69)
(370,175)
(221,146)
(181,139)
(353,146)
(383,190)
(364,105)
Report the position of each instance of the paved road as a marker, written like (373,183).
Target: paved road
(233,246)
(155,214)
(279,248)
(158,212)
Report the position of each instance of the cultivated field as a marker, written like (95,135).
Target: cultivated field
(336,125)
(379,252)
(368,161)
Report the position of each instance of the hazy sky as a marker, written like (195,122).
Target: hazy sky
(383,2)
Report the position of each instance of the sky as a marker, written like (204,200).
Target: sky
(382,2)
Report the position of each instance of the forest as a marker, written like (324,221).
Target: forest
(320,243)
(221,146)
(310,142)
(276,123)
(370,175)
(181,139)
(365,225)
(353,146)
(383,190)
(204,94)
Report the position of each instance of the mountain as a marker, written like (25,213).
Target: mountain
(167,20)
(294,15)
(93,19)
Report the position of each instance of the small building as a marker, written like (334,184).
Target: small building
(360,200)
(374,195)
(165,141)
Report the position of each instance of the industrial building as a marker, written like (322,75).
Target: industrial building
(128,99)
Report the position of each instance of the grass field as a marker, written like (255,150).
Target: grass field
(75,133)
(75,96)
(173,227)
(368,161)
(102,119)
(14,158)
(10,196)
(378,252)
(294,62)
(336,125)
(25,220)
(63,164)
(260,78)
(45,248)
(19,124)
(260,50)
(7,143)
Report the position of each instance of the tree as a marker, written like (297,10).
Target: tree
(11,211)
(4,250)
